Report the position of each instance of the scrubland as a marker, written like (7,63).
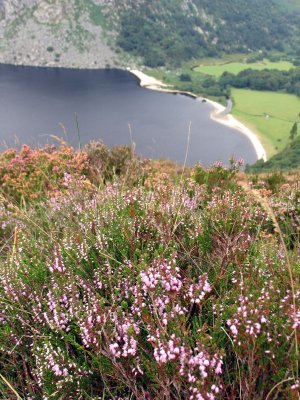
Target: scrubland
(124,278)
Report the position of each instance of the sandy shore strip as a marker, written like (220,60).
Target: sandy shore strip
(229,120)
(217,114)
(149,82)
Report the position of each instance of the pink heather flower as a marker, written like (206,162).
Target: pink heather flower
(115,350)
(218,369)
(296,319)
(197,292)
(58,265)
(165,352)
(67,178)
(56,370)
(163,274)
(234,330)
(219,164)
(215,389)
(296,385)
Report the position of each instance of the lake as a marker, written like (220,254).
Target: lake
(39,103)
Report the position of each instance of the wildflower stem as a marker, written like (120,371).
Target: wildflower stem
(7,383)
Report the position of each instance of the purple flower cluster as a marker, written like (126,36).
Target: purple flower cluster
(156,294)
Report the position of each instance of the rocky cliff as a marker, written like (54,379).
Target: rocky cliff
(70,33)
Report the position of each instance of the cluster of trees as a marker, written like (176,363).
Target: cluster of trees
(167,32)
(273,80)
(201,85)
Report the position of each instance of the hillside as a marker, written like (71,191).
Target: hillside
(123,278)
(97,33)
(288,158)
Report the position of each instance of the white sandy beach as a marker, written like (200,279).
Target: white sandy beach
(217,114)
(149,82)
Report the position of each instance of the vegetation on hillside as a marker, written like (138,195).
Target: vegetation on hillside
(119,280)
(262,109)
(169,32)
(287,159)
(272,80)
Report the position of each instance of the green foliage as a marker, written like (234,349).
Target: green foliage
(289,158)
(275,181)
(294,131)
(160,33)
(166,33)
(95,13)
(271,80)
(217,175)
(185,77)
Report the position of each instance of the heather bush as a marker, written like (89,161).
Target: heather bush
(107,164)
(153,291)
(218,175)
(33,173)
(274,181)
(284,199)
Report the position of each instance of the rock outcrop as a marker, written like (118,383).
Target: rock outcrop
(64,33)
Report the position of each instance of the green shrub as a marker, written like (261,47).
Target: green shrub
(185,78)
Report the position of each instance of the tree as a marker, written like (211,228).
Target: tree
(294,131)
(185,78)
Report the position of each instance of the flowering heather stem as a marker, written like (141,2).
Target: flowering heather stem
(269,209)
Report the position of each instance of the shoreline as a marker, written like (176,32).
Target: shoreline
(216,115)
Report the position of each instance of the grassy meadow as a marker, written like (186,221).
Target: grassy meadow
(271,115)
(123,278)
(235,67)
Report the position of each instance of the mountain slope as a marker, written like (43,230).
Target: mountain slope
(94,33)
(168,31)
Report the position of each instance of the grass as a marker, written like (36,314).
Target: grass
(269,114)
(172,76)
(235,67)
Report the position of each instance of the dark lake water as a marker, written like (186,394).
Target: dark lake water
(36,103)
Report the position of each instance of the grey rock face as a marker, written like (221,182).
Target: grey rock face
(56,33)
(12,7)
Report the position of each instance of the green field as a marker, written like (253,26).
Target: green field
(236,67)
(271,115)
